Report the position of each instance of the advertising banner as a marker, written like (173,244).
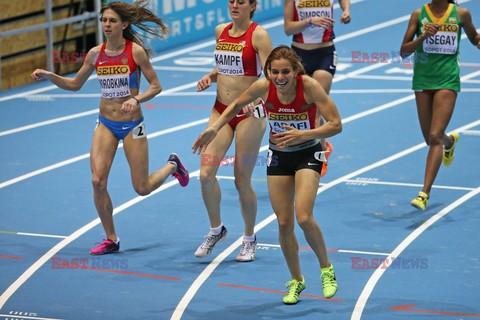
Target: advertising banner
(193,20)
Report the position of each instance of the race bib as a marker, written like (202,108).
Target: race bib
(114,81)
(228,58)
(445,41)
(300,121)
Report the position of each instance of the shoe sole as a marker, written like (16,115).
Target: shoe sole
(239,260)
(417,206)
(456,137)
(328,297)
(99,254)
(221,239)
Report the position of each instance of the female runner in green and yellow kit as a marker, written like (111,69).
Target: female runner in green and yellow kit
(436,78)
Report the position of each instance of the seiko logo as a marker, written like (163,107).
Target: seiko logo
(314,4)
(286,110)
(227,46)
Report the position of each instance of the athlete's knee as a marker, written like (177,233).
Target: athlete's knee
(435,138)
(141,189)
(285,225)
(99,183)
(305,221)
(207,178)
(243,184)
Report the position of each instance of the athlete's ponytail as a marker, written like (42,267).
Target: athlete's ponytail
(137,14)
(254,9)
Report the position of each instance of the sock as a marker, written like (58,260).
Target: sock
(249,238)
(216,231)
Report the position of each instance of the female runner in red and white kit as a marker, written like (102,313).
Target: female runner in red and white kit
(118,63)
(240,53)
(292,101)
(311,24)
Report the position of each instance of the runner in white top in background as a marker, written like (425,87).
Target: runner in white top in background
(311,24)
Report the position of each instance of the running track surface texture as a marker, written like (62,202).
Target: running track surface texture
(391,261)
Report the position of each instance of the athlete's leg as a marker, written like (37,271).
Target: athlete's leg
(104,147)
(209,163)
(325,79)
(282,196)
(136,152)
(443,104)
(424,101)
(306,186)
(249,134)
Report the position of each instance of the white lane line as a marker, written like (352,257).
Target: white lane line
(43,170)
(379,26)
(32,234)
(48,122)
(361,181)
(72,237)
(40,235)
(363,252)
(75,235)
(160,58)
(156,59)
(359,115)
(471,133)
(335,250)
(376,77)
(182,305)
(8,316)
(29,272)
(87,155)
(213,93)
(379,108)
(377,274)
(365,181)
(354,74)
(208,270)
(370,91)
(470,76)
(23,94)
(464,79)
(49,97)
(83,114)
(185,69)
